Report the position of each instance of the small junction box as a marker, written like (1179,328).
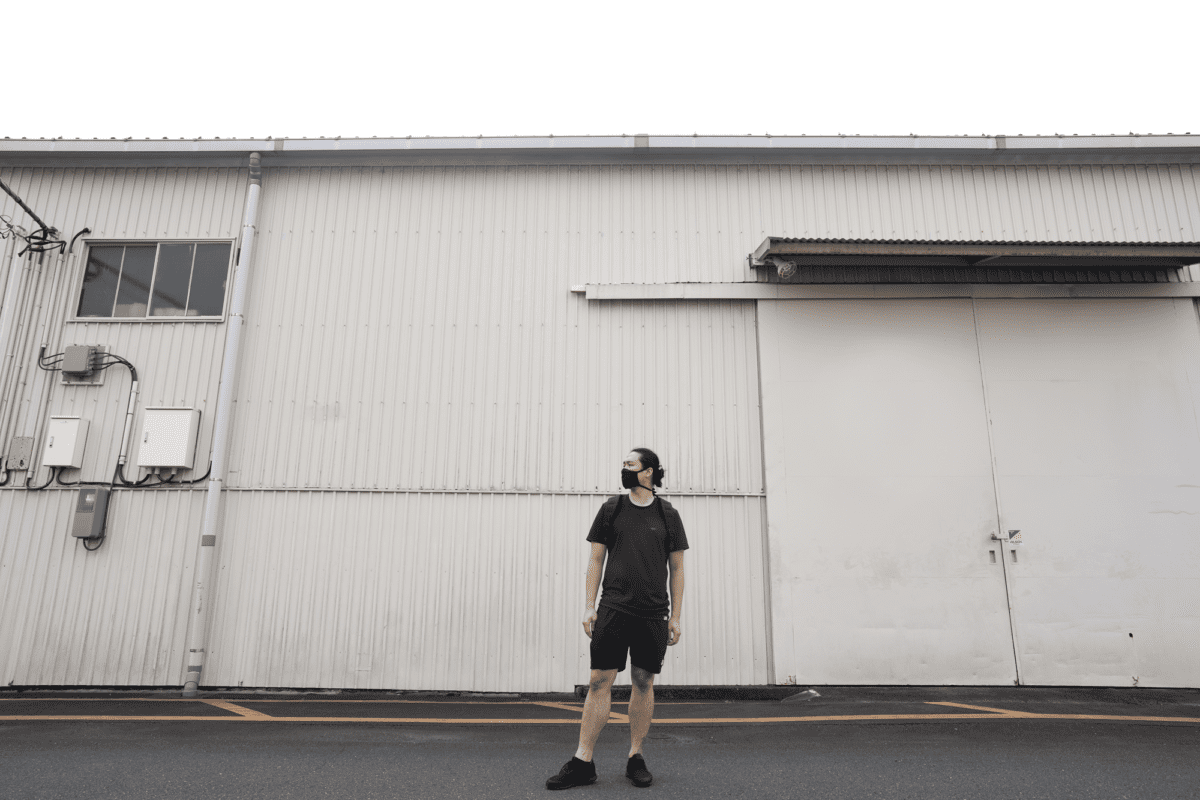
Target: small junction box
(78,360)
(80,365)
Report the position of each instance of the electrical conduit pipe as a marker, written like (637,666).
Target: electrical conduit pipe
(7,306)
(209,529)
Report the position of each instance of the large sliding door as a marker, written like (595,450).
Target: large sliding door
(880,497)
(885,488)
(1093,405)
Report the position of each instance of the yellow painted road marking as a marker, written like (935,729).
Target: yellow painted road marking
(843,718)
(1002,711)
(414,702)
(115,717)
(562,706)
(239,710)
(244,714)
(264,718)
(1009,714)
(289,700)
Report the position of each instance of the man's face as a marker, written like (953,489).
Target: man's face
(633,461)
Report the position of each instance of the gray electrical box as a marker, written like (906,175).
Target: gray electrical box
(91,509)
(79,365)
(20,451)
(78,360)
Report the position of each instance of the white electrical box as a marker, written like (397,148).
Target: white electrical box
(65,438)
(168,437)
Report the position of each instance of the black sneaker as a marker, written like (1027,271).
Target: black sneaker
(574,773)
(636,771)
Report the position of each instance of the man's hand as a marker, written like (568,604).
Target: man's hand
(676,632)
(589,621)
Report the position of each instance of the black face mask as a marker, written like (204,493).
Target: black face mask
(629,478)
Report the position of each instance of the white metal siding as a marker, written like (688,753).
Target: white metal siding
(414,329)
(459,591)
(411,328)
(115,617)
(129,202)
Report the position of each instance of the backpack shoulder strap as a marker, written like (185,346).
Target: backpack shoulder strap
(662,511)
(616,512)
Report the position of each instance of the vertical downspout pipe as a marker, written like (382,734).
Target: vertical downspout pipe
(202,589)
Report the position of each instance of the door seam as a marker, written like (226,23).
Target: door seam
(987,413)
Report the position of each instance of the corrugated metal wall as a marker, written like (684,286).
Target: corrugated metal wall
(429,306)
(422,396)
(413,330)
(115,617)
(459,591)
(1042,203)
(178,362)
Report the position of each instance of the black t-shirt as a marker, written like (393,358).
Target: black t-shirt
(639,546)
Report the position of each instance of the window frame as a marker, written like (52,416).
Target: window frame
(81,270)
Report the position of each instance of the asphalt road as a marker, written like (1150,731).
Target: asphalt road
(841,748)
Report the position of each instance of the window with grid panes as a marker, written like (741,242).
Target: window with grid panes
(155,280)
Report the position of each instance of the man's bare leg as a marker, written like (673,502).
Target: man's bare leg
(595,711)
(641,708)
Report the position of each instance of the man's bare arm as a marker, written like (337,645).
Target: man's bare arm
(676,595)
(594,571)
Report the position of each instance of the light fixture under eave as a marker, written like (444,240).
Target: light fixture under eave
(785,269)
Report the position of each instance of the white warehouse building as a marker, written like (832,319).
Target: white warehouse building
(928,407)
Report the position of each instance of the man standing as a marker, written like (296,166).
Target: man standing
(640,534)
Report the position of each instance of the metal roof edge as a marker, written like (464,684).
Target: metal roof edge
(771,241)
(865,291)
(632,145)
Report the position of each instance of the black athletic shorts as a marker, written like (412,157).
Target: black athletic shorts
(616,633)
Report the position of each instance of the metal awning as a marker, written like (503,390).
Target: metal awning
(892,261)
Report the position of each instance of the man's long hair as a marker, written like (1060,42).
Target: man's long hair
(650,459)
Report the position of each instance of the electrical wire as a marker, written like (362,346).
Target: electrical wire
(42,361)
(42,240)
(61,482)
(7,476)
(196,480)
(99,365)
(99,542)
(125,482)
(71,249)
(161,482)
(53,475)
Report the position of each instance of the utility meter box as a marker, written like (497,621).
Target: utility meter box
(169,438)
(91,510)
(65,437)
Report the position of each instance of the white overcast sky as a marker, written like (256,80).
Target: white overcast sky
(350,68)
